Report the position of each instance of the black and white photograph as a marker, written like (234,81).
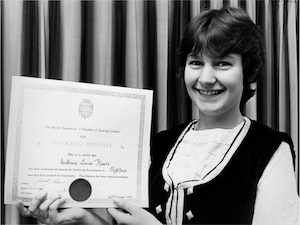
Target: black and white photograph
(150,112)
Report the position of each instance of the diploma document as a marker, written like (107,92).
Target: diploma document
(88,142)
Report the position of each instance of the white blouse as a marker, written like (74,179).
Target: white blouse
(187,167)
(190,164)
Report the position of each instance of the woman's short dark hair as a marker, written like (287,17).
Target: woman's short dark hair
(217,33)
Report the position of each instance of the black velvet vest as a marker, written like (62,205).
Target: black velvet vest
(229,198)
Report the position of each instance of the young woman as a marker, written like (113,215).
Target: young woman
(222,168)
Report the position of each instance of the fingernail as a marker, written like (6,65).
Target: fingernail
(19,203)
(42,193)
(56,195)
(117,201)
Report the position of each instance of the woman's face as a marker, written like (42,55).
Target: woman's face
(215,85)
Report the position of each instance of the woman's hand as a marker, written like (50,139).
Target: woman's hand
(133,216)
(45,209)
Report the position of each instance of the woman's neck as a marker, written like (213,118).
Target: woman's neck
(210,122)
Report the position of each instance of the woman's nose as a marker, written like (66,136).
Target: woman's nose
(207,76)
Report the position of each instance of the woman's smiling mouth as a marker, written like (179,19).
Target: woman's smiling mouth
(210,93)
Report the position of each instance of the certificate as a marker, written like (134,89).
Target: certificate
(88,142)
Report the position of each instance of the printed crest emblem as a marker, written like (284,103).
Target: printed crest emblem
(86,108)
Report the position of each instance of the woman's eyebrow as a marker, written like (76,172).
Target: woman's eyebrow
(230,56)
(193,55)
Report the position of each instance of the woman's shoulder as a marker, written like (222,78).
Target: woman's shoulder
(164,140)
(173,131)
(268,140)
(269,134)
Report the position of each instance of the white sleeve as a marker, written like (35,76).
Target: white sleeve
(277,201)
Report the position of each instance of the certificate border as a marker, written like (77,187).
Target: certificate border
(24,86)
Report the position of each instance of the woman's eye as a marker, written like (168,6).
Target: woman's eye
(195,64)
(223,65)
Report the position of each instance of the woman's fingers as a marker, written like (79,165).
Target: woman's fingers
(134,216)
(33,209)
(126,205)
(44,207)
(53,213)
(23,210)
(119,216)
(35,204)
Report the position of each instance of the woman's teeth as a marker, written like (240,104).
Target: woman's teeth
(209,93)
